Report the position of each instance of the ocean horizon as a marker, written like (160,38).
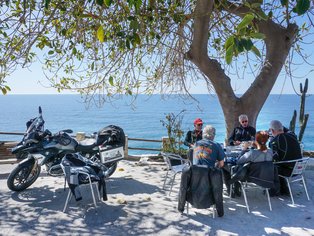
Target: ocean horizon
(141,118)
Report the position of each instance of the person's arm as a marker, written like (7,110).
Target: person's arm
(221,156)
(231,138)
(245,158)
(187,141)
(221,163)
(273,144)
(253,133)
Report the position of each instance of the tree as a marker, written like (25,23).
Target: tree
(102,48)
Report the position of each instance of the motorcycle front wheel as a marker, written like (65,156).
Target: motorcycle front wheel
(23,176)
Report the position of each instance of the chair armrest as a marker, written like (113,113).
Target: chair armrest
(292,161)
(173,156)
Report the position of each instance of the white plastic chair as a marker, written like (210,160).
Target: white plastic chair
(297,174)
(173,168)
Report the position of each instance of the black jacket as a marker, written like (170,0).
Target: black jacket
(286,147)
(261,173)
(192,137)
(242,134)
(202,187)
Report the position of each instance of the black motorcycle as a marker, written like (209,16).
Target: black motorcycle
(40,147)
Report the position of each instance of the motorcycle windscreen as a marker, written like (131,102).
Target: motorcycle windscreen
(111,153)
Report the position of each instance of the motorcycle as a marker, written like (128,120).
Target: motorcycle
(40,147)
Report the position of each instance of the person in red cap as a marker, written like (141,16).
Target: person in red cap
(193,136)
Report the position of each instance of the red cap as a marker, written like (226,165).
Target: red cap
(198,121)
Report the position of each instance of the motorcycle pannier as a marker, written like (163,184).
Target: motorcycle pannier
(111,153)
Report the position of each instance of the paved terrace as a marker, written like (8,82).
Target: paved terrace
(137,205)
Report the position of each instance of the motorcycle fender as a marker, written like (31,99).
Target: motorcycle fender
(29,159)
(16,149)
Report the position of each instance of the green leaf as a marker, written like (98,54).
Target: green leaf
(302,7)
(127,43)
(247,43)
(47,2)
(245,21)
(229,54)
(100,2)
(257,35)
(111,80)
(137,39)
(100,34)
(256,51)
(229,42)
(108,3)
(284,2)
(4,91)
(134,25)
(262,15)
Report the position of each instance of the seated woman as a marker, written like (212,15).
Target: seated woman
(260,154)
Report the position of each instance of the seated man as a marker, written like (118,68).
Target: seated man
(244,132)
(206,151)
(193,136)
(285,146)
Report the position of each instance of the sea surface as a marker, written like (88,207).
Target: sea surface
(140,119)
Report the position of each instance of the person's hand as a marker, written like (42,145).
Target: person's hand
(245,145)
(237,142)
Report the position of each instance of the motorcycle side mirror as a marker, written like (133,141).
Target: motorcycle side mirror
(39,110)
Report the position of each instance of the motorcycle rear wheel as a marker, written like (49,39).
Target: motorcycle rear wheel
(23,176)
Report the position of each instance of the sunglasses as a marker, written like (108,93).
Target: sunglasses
(199,124)
(244,121)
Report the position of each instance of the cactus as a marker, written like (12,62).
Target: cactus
(302,105)
(303,118)
(292,122)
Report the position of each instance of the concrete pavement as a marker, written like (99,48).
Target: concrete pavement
(137,205)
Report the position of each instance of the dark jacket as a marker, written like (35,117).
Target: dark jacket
(261,173)
(286,147)
(191,137)
(242,134)
(73,164)
(201,187)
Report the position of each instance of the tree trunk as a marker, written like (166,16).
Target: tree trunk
(278,42)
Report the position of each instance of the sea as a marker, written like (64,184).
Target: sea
(141,118)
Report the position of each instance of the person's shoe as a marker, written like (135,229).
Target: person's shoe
(237,192)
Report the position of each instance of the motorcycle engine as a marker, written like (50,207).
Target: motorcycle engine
(54,168)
